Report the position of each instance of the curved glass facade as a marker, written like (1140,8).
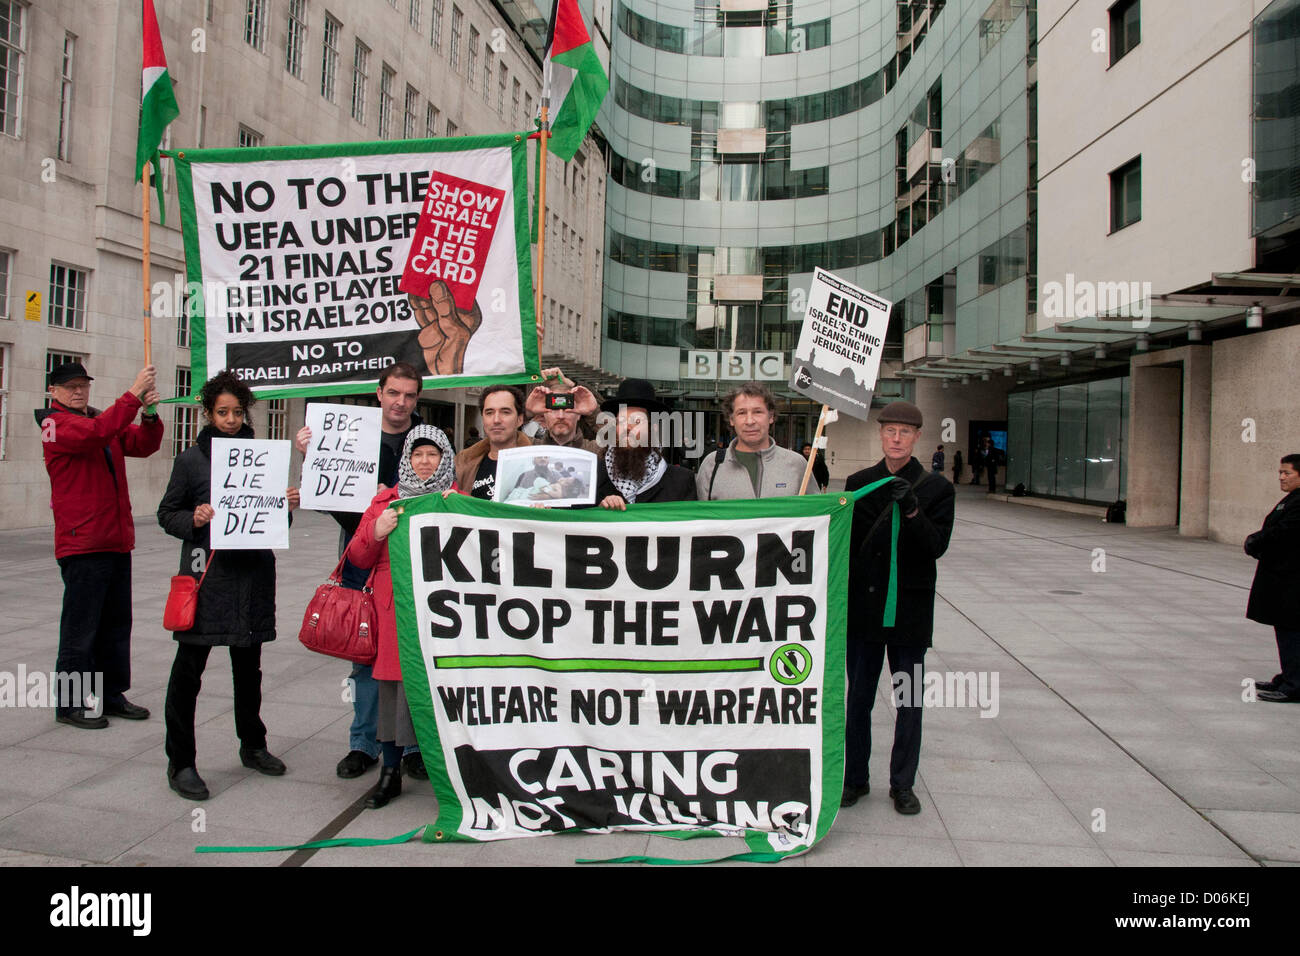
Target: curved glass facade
(892,144)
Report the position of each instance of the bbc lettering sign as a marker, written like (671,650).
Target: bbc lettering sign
(735,366)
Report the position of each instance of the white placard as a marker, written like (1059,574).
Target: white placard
(550,475)
(843,335)
(340,471)
(250,478)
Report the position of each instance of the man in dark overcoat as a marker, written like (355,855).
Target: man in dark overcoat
(1274,595)
(925,502)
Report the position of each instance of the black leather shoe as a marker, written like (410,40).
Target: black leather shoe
(355,764)
(1277,697)
(76,717)
(187,782)
(413,766)
(126,710)
(262,761)
(905,801)
(1266,684)
(389,786)
(852,793)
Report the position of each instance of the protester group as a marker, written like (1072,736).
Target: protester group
(85,453)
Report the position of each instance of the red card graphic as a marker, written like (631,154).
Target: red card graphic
(452,239)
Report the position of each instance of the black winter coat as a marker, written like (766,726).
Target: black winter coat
(677,484)
(922,540)
(1275,593)
(236,604)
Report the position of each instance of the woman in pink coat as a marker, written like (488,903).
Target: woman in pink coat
(427,467)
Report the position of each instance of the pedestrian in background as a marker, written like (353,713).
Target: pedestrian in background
(1274,595)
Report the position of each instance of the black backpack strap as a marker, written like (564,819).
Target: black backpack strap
(718,457)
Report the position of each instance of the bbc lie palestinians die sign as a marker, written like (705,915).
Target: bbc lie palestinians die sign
(340,471)
(837,360)
(321,265)
(672,667)
(249,482)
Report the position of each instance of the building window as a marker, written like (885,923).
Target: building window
(190,301)
(329,64)
(1126,195)
(488,58)
(386,76)
(451,128)
(276,417)
(528,110)
(67,297)
(471,58)
(185,424)
(1125,28)
(13,20)
(415,13)
(295,38)
(5,263)
(65,99)
(409,115)
(248,138)
(514,100)
(456,18)
(501,89)
(360,65)
(255,24)
(431,121)
(435,34)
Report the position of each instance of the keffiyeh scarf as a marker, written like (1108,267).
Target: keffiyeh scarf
(655,467)
(409,484)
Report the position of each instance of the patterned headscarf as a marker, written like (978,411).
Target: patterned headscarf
(409,484)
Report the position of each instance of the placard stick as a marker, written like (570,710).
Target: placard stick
(812,455)
(541,219)
(148,332)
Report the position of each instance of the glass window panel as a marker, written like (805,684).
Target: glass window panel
(1071,440)
(1103,439)
(1042,475)
(1019,431)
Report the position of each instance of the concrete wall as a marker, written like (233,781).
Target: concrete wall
(1255,379)
(1181,99)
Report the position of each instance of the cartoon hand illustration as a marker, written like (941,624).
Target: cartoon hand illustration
(445,329)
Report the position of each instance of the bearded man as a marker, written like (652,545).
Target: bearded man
(632,470)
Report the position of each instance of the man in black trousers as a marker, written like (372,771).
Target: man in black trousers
(1274,598)
(925,502)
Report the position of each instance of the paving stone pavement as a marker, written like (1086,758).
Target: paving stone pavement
(1119,737)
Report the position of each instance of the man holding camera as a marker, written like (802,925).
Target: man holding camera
(561,405)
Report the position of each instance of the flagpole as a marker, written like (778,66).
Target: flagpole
(545,132)
(148,331)
(812,455)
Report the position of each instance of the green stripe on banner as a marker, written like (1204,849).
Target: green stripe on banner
(761,856)
(314,845)
(891,597)
(571,664)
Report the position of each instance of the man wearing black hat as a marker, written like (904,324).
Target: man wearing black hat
(925,501)
(94,533)
(632,470)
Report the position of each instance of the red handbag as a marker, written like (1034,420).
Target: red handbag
(183,599)
(342,622)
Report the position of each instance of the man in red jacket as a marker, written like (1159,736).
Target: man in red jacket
(85,455)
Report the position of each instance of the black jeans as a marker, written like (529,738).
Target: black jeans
(183,694)
(864,663)
(1288,653)
(95,629)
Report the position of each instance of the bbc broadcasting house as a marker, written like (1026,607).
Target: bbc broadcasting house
(1086,213)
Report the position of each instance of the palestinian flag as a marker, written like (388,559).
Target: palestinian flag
(158,102)
(573,75)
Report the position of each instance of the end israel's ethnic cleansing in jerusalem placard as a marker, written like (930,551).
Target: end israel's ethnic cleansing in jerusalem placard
(672,667)
(837,360)
(321,265)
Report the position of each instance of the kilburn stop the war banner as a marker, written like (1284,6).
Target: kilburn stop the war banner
(314,267)
(670,668)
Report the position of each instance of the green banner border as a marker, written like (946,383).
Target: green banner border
(839,507)
(182,160)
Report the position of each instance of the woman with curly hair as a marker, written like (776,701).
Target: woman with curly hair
(428,466)
(236,601)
